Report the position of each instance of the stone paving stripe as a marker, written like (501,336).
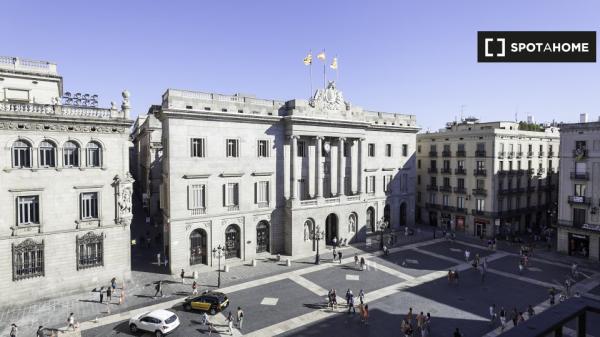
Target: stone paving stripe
(269,301)
(351,277)
(315,288)
(389,270)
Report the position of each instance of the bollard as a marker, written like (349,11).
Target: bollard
(226,269)
(195,275)
(278,257)
(288,262)
(253,262)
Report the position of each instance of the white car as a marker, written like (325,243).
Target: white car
(159,322)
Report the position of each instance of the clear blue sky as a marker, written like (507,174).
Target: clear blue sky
(415,57)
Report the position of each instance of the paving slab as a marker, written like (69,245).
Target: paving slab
(456,250)
(546,272)
(412,262)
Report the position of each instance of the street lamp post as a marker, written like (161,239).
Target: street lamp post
(317,235)
(382,225)
(218,254)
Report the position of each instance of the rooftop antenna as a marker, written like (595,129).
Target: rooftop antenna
(517,113)
(462,108)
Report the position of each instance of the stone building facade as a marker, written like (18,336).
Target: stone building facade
(258,176)
(579,201)
(64,186)
(487,179)
(147,164)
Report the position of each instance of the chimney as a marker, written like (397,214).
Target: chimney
(583,118)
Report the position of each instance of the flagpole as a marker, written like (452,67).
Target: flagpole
(310,78)
(324,71)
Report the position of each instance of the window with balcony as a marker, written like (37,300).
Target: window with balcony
(460,183)
(28,210)
(446,181)
(196,197)
(371,149)
(262,193)
(500,166)
(88,207)
(387,180)
(21,154)
(432,198)
(230,197)
(480,205)
(263,148)
(445,200)
(460,164)
(233,148)
(460,202)
(579,190)
(370,184)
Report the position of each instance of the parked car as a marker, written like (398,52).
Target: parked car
(159,322)
(212,302)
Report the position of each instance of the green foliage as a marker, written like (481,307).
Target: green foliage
(530,127)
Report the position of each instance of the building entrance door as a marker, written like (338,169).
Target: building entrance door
(262,237)
(331,229)
(232,242)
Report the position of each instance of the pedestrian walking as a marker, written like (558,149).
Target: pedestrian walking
(13,330)
(502,319)
(230,323)
(467,255)
(182,276)
(108,294)
(492,314)
(552,293)
(366,314)
(194,288)
(361,296)
(568,287)
(334,242)
(520,318)
(520,267)
(420,321)
(121,296)
(101,294)
(515,316)
(351,303)
(362,263)
(113,284)
(159,289)
(530,312)
(356,259)
(334,253)
(340,256)
(40,331)
(483,271)
(240,318)
(71,322)
(158,260)
(409,316)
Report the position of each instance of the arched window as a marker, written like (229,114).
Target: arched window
(262,237)
(198,247)
(21,151)
(47,154)
(71,154)
(94,154)
(232,242)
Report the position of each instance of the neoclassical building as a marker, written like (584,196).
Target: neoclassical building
(259,176)
(64,185)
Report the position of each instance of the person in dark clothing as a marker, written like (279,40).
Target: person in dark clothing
(101,294)
(40,331)
(158,289)
(340,256)
(457,333)
(108,294)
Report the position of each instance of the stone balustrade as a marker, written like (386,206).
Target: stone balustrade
(63,110)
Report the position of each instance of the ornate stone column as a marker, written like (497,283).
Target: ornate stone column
(287,166)
(361,167)
(354,166)
(293,169)
(319,168)
(341,190)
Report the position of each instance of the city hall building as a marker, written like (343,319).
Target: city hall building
(258,176)
(65,190)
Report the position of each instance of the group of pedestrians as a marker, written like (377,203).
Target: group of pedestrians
(503,316)
(363,308)
(419,324)
(237,320)
(359,262)
(111,291)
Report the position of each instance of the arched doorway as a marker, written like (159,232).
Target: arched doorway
(371,219)
(331,229)
(262,237)
(232,242)
(198,247)
(386,213)
(403,214)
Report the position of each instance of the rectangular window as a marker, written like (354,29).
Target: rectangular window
(419,163)
(418,180)
(388,150)
(446,165)
(301,149)
(233,148)
(445,200)
(196,196)
(501,165)
(231,194)
(418,196)
(460,164)
(28,210)
(461,147)
(480,184)
(404,150)
(262,193)
(480,204)
(446,181)
(371,184)
(418,148)
(198,148)
(460,202)
(371,149)
(387,179)
(88,208)
(580,190)
(90,251)
(480,146)
(432,198)
(481,165)
(460,182)
(263,148)
(578,216)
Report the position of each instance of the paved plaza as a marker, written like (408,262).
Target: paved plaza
(291,301)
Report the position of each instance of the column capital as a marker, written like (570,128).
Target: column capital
(294,137)
(342,139)
(319,137)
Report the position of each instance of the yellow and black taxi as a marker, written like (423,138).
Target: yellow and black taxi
(211,301)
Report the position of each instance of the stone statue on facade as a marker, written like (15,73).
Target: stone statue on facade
(329,99)
(123,190)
